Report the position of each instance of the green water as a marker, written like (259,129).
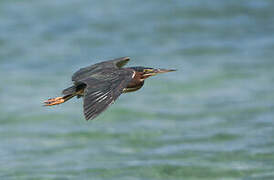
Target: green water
(213,119)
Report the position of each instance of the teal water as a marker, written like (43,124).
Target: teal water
(213,119)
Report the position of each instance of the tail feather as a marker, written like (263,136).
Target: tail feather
(58,100)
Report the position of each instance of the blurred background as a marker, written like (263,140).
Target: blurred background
(210,120)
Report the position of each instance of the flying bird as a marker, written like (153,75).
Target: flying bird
(102,83)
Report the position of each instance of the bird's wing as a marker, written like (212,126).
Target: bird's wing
(101,92)
(88,71)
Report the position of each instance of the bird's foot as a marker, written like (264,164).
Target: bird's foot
(54,101)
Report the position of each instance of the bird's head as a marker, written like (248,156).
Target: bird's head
(146,72)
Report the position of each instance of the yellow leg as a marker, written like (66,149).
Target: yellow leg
(54,101)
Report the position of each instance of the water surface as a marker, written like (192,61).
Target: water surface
(212,119)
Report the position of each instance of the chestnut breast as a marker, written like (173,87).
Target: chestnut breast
(136,83)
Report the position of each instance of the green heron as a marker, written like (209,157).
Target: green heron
(102,83)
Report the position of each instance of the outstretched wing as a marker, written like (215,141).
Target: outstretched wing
(101,92)
(88,71)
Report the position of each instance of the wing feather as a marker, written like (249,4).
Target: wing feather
(100,93)
(93,69)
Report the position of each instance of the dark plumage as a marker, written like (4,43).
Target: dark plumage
(102,83)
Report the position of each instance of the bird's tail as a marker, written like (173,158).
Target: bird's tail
(58,100)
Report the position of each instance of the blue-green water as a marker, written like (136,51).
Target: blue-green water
(213,119)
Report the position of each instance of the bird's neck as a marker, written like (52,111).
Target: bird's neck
(134,85)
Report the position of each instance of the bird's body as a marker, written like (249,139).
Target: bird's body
(102,83)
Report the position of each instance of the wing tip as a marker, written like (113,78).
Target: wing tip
(89,114)
(87,118)
(90,117)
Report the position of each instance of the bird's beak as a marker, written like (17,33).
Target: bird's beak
(153,72)
(159,71)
